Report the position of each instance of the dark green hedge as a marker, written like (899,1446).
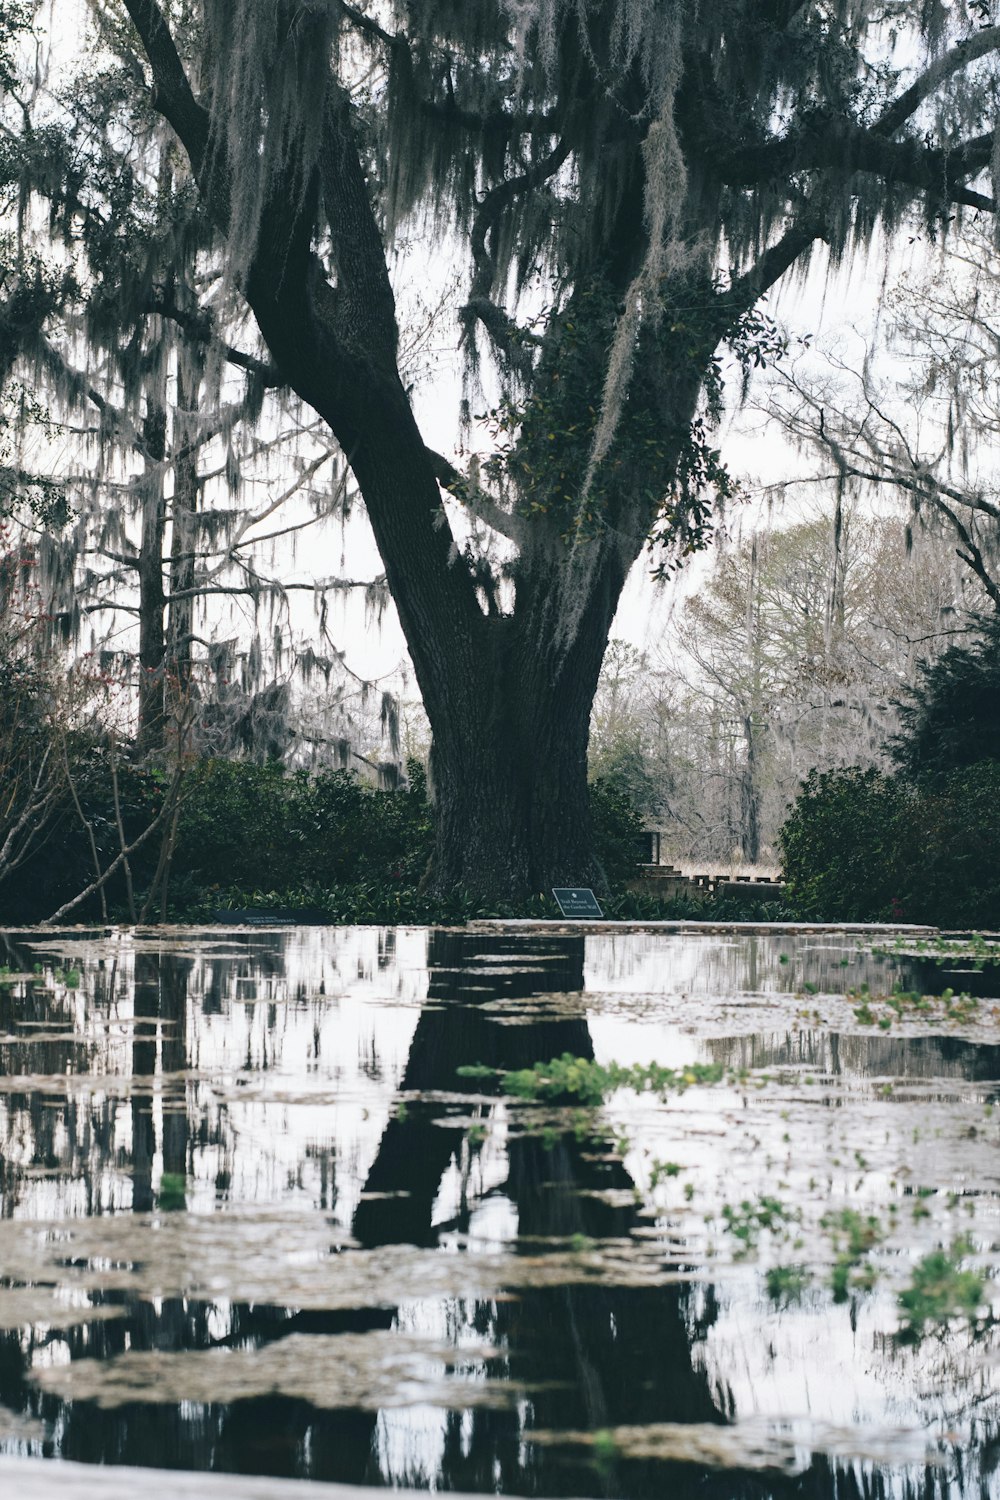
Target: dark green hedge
(861,845)
(249,835)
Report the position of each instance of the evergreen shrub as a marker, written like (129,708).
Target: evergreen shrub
(260,836)
(617,826)
(954,875)
(843,846)
(248,827)
(861,845)
(950,718)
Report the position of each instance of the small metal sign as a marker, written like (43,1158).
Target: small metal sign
(576,902)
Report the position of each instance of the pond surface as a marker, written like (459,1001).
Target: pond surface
(254,1219)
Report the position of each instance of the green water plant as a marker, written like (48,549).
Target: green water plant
(172,1195)
(976,948)
(747,1220)
(941,1288)
(853,1235)
(659,1171)
(897,1004)
(787,1284)
(582,1079)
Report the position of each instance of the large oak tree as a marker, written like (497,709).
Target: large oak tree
(655,167)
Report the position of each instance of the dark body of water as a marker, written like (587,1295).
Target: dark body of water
(252,1219)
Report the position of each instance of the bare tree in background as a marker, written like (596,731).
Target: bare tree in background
(187,473)
(932,438)
(763,681)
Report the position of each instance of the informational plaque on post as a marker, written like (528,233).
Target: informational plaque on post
(576,902)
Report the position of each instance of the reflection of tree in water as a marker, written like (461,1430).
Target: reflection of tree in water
(77,1143)
(874,1056)
(38,1125)
(97,1149)
(740,964)
(599,1355)
(591,1355)
(610,1353)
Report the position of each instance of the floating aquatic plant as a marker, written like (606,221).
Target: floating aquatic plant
(941,1288)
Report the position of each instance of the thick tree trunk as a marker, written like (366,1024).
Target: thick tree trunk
(508,696)
(152,643)
(513,810)
(183,540)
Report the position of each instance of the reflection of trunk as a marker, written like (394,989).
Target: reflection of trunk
(173,1052)
(415,1152)
(146,1010)
(160,1005)
(596,1355)
(592,1355)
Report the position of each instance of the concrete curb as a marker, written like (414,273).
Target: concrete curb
(52,1479)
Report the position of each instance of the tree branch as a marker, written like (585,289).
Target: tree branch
(265,585)
(840,146)
(40,798)
(199,324)
(508,338)
(101,881)
(172,94)
(337,345)
(963,53)
(773,263)
(364,300)
(476,500)
(370,26)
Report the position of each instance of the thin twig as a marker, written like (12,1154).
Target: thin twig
(112,867)
(89,827)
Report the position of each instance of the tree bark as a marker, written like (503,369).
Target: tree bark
(183,536)
(152,642)
(750,792)
(513,815)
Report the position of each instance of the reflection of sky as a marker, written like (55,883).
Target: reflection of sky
(329,1023)
(294,1048)
(813,1360)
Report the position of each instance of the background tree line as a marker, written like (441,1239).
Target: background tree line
(854,651)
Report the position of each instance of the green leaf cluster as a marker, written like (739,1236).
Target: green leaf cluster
(591,1083)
